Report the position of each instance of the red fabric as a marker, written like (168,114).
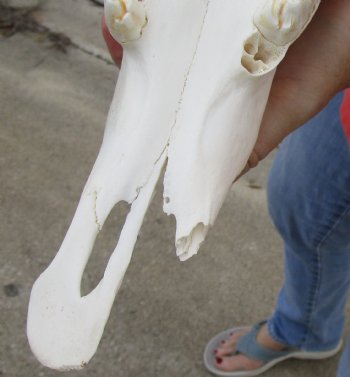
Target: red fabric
(345,113)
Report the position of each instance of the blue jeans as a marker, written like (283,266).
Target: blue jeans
(309,202)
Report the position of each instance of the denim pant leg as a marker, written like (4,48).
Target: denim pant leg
(344,365)
(309,202)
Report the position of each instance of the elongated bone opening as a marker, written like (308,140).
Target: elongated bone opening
(105,242)
(71,326)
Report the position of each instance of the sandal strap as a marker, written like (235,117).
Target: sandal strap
(249,346)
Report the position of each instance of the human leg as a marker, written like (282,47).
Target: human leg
(309,201)
(309,194)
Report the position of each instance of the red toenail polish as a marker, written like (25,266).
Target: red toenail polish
(219,360)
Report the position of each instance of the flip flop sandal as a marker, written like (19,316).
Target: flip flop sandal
(248,346)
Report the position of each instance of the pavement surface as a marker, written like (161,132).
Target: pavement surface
(53,107)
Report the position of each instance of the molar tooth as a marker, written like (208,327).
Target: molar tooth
(125,19)
(282,21)
(261,56)
(279,23)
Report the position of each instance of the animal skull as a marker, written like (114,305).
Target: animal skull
(190,97)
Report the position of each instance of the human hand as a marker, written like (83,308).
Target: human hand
(316,67)
(114,48)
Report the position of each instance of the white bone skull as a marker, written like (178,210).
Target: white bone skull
(190,97)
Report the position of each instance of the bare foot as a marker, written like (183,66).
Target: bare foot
(228,362)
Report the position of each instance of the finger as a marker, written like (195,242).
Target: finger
(114,48)
(252,162)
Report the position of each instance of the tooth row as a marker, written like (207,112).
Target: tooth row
(279,23)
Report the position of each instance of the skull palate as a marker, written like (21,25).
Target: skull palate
(199,116)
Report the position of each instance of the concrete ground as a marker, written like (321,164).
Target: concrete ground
(53,108)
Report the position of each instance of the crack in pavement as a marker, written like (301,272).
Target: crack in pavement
(14,21)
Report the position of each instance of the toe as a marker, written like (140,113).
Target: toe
(237,363)
(228,346)
(226,349)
